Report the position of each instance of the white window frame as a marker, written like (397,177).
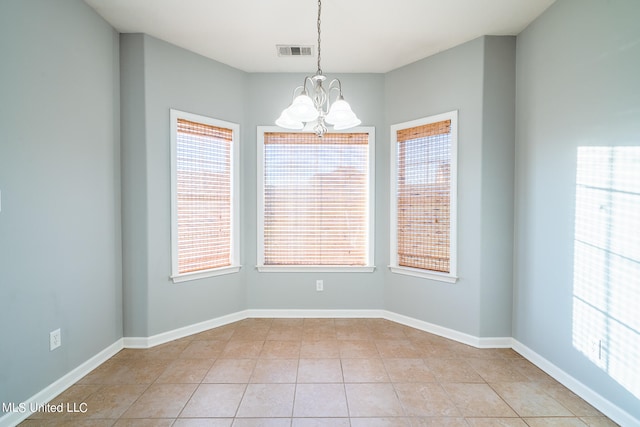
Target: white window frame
(235,266)
(450,277)
(369,267)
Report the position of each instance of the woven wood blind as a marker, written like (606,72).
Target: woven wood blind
(424,188)
(203,196)
(315,199)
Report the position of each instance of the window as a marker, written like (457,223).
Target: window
(315,200)
(203,196)
(423,206)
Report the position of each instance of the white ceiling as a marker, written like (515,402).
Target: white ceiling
(357,35)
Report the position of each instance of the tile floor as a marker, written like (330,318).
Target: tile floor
(319,372)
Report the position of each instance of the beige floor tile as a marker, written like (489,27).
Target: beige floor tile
(76,394)
(275,371)
(381,422)
(267,401)
(452,370)
(152,422)
(439,422)
(185,371)
(319,349)
(227,371)
(319,333)
(249,333)
(496,422)
(373,400)
(262,422)
(68,422)
(203,349)
(570,401)
(529,401)
(530,371)
(426,399)
(402,349)
(111,401)
(319,371)
(285,333)
(320,422)
(435,350)
(477,400)
(408,370)
(364,371)
(350,349)
(496,370)
(214,400)
(554,422)
(241,349)
(601,421)
(320,400)
(203,422)
(161,401)
(353,333)
(276,349)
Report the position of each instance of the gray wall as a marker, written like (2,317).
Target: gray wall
(477,79)
(270,94)
(60,257)
(156,77)
(578,84)
(576,79)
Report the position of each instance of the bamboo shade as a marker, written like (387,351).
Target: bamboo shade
(203,196)
(424,187)
(315,199)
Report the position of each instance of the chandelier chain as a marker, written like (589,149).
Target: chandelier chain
(319,11)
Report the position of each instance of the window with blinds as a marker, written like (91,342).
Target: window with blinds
(424,188)
(203,195)
(315,200)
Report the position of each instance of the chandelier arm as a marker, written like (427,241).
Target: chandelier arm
(338,86)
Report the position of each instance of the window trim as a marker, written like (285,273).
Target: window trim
(452,276)
(235,265)
(261,267)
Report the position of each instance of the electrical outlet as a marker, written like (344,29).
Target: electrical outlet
(55,339)
(595,348)
(319,285)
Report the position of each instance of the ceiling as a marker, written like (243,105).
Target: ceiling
(372,36)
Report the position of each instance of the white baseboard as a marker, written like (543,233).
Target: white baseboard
(51,391)
(164,337)
(479,342)
(605,406)
(310,314)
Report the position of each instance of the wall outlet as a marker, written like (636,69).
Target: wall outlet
(55,339)
(319,285)
(595,348)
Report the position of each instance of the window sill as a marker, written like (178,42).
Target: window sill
(179,278)
(432,275)
(314,269)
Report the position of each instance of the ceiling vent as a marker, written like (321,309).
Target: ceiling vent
(288,50)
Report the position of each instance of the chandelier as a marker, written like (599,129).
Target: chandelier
(312,108)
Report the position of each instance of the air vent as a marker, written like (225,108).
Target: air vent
(287,50)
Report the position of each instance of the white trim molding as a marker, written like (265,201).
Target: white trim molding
(605,406)
(592,397)
(164,337)
(54,389)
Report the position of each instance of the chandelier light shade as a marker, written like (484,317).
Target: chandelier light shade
(312,109)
